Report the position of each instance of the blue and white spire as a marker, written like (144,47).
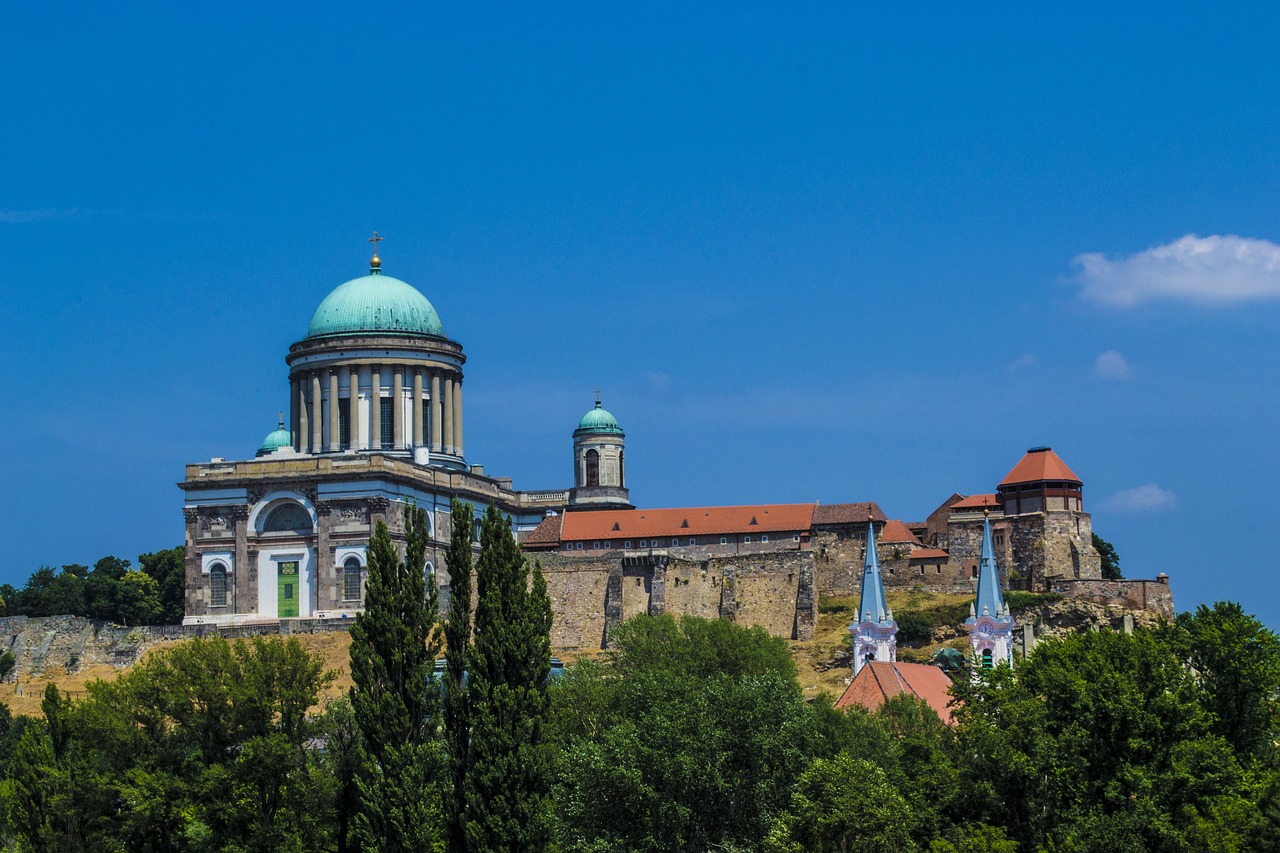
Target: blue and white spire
(990,624)
(875,634)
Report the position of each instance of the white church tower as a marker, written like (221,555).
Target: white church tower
(989,623)
(875,634)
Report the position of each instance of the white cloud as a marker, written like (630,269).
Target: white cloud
(1112,365)
(1214,270)
(1148,498)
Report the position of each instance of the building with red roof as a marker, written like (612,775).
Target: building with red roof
(879,681)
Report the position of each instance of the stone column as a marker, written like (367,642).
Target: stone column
(353,405)
(397,408)
(436,435)
(317,427)
(457,414)
(303,437)
(322,577)
(335,434)
(295,435)
(448,416)
(240,597)
(417,408)
(375,410)
(195,602)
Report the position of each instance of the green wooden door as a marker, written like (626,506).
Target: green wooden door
(287,592)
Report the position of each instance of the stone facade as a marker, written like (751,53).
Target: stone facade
(591,594)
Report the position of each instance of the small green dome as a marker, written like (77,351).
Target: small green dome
(275,440)
(375,303)
(598,420)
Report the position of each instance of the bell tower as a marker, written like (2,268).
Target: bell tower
(990,623)
(599,462)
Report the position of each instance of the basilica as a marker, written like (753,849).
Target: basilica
(375,422)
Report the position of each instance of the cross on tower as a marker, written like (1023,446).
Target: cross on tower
(375,240)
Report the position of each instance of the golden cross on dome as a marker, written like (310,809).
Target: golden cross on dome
(375,240)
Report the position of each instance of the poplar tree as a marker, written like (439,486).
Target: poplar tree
(507,802)
(393,650)
(457,636)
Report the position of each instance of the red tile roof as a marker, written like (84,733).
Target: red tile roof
(976,502)
(896,532)
(1040,463)
(882,680)
(546,533)
(930,554)
(857,513)
(691,521)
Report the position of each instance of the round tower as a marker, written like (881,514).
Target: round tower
(599,462)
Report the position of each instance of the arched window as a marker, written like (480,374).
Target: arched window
(593,467)
(288,517)
(351,579)
(622,469)
(986,659)
(218,585)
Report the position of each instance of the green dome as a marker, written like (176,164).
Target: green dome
(598,420)
(275,440)
(375,303)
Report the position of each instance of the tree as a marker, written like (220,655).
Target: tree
(507,787)
(393,650)
(1110,559)
(169,569)
(457,634)
(137,599)
(1238,659)
(841,805)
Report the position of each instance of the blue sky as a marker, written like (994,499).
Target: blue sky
(834,252)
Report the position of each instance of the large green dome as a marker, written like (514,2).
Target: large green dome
(375,303)
(598,420)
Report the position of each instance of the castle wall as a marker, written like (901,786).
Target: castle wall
(1154,596)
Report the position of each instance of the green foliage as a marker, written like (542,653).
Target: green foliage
(1238,659)
(111,592)
(843,804)
(1021,599)
(508,806)
(697,648)
(457,635)
(168,568)
(914,629)
(200,747)
(393,650)
(1110,559)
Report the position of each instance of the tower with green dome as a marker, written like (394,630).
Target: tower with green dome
(599,462)
(376,373)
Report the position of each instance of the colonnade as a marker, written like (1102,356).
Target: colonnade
(433,395)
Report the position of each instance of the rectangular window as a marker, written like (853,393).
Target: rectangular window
(644,543)
(675,542)
(764,537)
(351,581)
(388,428)
(746,538)
(608,544)
(724,541)
(344,426)
(626,544)
(426,423)
(579,546)
(218,587)
(693,541)
(595,545)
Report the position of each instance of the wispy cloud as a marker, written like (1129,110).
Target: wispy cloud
(1112,365)
(1026,361)
(1148,498)
(1213,270)
(45,214)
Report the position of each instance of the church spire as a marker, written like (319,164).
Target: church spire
(989,623)
(875,634)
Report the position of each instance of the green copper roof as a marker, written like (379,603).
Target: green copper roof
(276,439)
(598,420)
(375,303)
